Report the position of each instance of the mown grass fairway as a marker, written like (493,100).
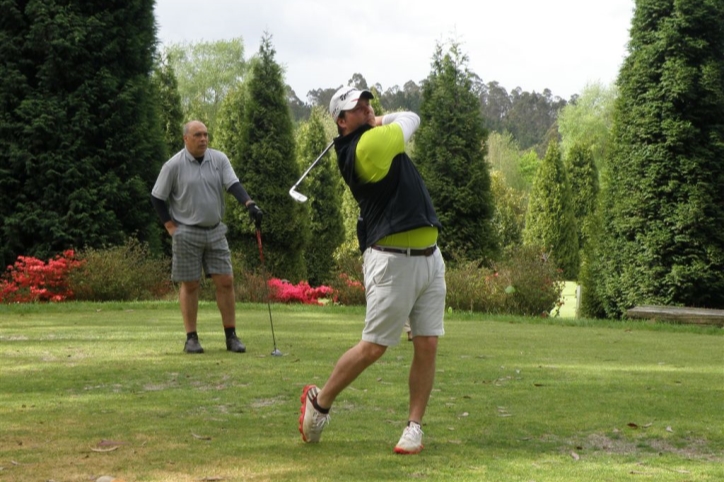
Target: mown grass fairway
(88,390)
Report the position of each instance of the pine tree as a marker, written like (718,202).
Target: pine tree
(550,221)
(448,147)
(265,162)
(583,177)
(79,129)
(325,199)
(663,199)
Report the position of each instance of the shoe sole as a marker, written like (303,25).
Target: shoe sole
(303,410)
(401,451)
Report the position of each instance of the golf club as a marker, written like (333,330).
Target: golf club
(276,351)
(298,196)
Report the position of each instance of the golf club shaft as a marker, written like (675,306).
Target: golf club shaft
(266,285)
(313,164)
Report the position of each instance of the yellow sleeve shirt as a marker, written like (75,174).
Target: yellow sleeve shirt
(375,151)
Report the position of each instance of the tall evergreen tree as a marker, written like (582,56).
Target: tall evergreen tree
(448,146)
(78,127)
(663,198)
(583,177)
(169,104)
(550,221)
(325,198)
(264,160)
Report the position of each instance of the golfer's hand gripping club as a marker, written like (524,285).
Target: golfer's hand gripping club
(256,214)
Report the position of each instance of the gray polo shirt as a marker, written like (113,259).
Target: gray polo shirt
(195,191)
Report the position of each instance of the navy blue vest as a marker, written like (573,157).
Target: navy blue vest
(399,202)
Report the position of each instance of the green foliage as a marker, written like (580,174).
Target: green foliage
(663,198)
(588,121)
(583,176)
(591,276)
(528,166)
(206,72)
(127,272)
(550,220)
(79,130)
(524,283)
(510,207)
(264,159)
(325,199)
(451,158)
(165,84)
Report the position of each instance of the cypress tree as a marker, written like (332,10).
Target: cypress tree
(325,198)
(451,158)
(550,221)
(78,129)
(265,162)
(583,176)
(662,239)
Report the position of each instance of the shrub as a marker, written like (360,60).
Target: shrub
(31,279)
(526,282)
(121,273)
(532,282)
(467,287)
(347,282)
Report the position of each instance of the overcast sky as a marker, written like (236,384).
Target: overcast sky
(557,44)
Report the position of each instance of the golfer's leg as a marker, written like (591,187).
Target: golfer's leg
(348,368)
(189,300)
(422,375)
(225,298)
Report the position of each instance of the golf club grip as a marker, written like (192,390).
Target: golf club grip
(313,164)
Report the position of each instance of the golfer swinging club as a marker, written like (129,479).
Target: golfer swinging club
(404,272)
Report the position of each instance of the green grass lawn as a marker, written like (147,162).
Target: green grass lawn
(88,390)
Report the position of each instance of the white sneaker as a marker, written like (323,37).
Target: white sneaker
(411,440)
(311,421)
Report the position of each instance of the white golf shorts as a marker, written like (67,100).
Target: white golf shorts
(399,287)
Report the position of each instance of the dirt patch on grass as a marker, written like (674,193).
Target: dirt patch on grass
(695,449)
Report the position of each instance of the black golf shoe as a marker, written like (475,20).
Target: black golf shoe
(193,346)
(234,344)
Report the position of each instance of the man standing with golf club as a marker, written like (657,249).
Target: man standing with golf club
(189,199)
(404,271)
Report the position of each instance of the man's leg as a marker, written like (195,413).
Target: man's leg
(316,404)
(422,375)
(348,368)
(225,298)
(225,301)
(189,300)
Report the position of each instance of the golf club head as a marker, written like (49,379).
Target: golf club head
(276,352)
(297,196)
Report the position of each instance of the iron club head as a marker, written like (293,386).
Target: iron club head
(297,196)
(276,352)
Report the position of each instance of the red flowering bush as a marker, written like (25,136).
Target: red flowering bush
(31,279)
(284,292)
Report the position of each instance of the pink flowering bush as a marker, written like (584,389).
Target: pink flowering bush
(283,291)
(33,280)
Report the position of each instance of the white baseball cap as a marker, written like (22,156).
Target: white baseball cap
(346,98)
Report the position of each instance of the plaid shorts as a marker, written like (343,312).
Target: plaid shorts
(196,248)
